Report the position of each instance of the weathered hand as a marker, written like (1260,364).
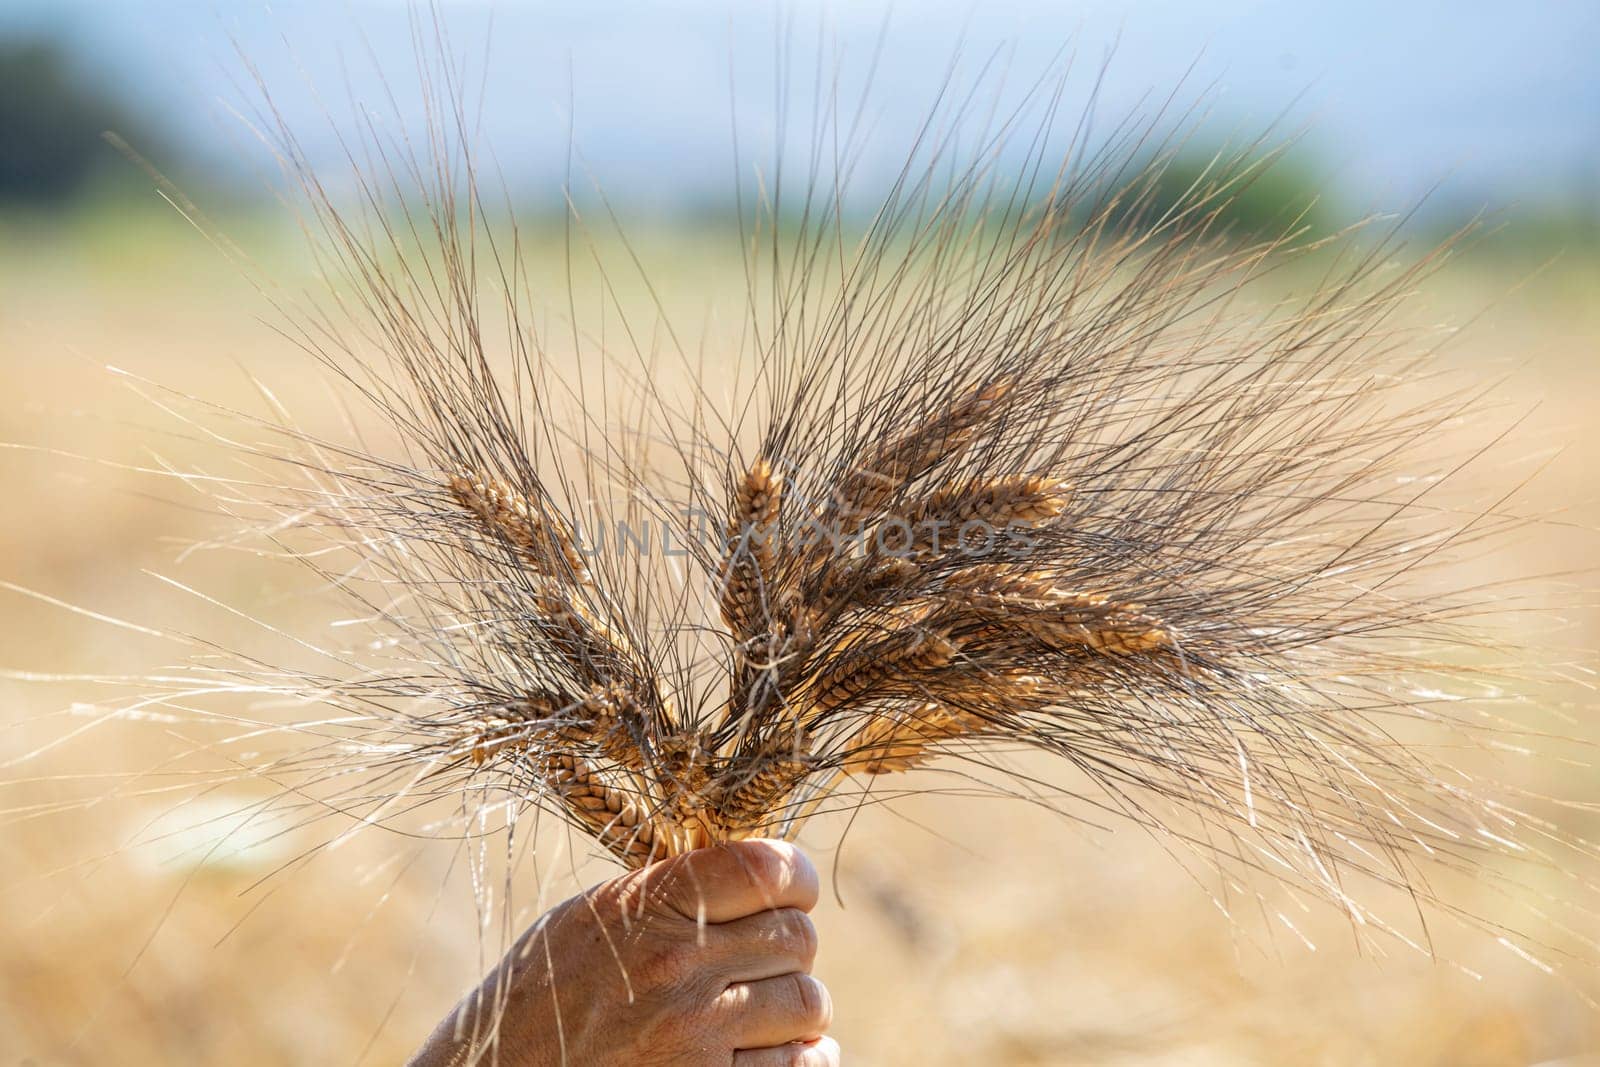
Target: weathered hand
(702,959)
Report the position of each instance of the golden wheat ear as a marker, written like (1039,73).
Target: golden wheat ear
(559,574)
(947,518)
(616,818)
(544,544)
(754,806)
(994,608)
(897,665)
(899,741)
(894,463)
(967,702)
(590,751)
(538,739)
(749,557)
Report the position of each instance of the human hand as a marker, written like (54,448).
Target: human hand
(702,959)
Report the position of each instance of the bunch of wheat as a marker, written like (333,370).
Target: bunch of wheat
(1015,464)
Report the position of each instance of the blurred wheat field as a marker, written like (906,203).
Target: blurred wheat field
(960,932)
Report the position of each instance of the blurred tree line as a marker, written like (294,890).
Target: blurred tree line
(55,109)
(1249,195)
(53,114)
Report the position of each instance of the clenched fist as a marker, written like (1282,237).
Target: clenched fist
(702,960)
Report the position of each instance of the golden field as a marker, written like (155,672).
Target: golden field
(959,932)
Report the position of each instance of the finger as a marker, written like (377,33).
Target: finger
(823,1052)
(727,882)
(765,945)
(774,1011)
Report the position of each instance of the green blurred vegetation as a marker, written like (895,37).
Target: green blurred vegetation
(53,115)
(61,179)
(1247,195)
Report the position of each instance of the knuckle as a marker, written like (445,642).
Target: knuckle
(677,884)
(693,1016)
(800,933)
(652,890)
(811,998)
(695,896)
(682,897)
(765,865)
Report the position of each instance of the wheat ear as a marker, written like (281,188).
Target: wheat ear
(506,512)
(902,459)
(937,522)
(613,816)
(894,666)
(995,605)
(557,569)
(898,742)
(749,561)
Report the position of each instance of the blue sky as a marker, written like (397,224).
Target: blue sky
(1497,102)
